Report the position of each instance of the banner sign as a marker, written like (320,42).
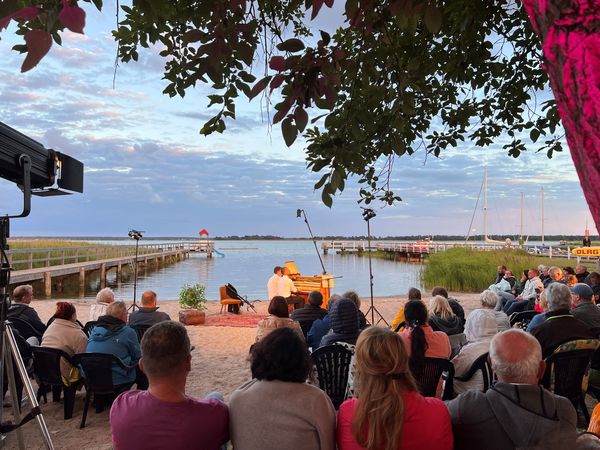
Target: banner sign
(586,251)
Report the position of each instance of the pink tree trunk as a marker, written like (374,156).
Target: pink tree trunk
(570,33)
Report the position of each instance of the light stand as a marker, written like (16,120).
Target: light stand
(368,214)
(137,235)
(299,213)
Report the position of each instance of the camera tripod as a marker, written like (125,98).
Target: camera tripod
(10,359)
(368,214)
(137,235)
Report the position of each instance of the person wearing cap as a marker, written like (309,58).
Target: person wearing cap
(584,308)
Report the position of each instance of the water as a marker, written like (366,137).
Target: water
(248,265)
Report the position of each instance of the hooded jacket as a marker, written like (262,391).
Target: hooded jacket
(510,416)
(344,323)
(451,326)
(111,335)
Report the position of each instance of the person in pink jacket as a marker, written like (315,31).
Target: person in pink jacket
(389,413)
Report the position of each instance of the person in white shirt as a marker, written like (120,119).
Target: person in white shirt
(286,288)
(273,283)
(104,297)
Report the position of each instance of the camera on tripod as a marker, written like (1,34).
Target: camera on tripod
(135,234)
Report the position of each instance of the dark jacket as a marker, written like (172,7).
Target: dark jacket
(307,315)
(452,326)
(457,309)
(589,314)
(583,277)
(512,281)
(147,316)
(318,329)
(344,323)
(560,327)
(510,416)
(28,314)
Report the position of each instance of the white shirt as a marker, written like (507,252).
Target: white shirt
(530,286)
(286,287)
(273,286)
(96,310)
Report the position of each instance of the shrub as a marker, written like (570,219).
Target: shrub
(193,296)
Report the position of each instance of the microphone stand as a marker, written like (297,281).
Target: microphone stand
(368,214)
(299,213)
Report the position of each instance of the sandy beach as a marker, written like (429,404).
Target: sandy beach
(218,363)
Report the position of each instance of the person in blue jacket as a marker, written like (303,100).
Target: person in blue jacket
(112,335)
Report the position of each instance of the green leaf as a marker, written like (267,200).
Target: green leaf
(326,198)
(433,19)
(291,45)
(289,131)
(322,181)
(534,135)
(301,118)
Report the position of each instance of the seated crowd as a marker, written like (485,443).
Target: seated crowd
(384,408)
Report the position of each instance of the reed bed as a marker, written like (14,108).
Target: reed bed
(469,270)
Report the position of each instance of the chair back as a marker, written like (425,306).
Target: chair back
(456,342)
(25,329)
(567,369)
(46,364)
(97,371)
(480,364)
(333,366)
(140,330)
(523,317)
(429,374)
(89,327)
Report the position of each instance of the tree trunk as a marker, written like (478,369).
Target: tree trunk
(570,35)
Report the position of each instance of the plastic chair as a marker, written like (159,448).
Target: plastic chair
(567,371)
(46,367)
(484,366)
(97,370)
(228,301)
(456,342)
(428,376)
(89,327)
(140,330)
(333,366)
(524,317)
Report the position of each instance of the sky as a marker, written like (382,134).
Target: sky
(147,167)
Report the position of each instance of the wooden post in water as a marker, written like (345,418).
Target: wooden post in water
(47,284)
(30,260)
(103,276)
(119,269)
(81,279)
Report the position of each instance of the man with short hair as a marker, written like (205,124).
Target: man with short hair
(584,308)
(104,297)
(555,275)
(582,274)
(286,288)
(20,309)
(516,412)
(164,416)
(560,325)
(148,314)
(112,335)
(273,283)
(500,274)
(312,311)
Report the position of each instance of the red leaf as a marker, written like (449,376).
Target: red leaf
(316,6)
(73,17)
(329,3)
(259,87)
(277,63)
(28,13)
(277,80)
(38,43)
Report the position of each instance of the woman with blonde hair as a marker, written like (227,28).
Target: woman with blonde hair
(442,318)
(389,413)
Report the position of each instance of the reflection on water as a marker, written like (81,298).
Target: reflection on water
(248,271)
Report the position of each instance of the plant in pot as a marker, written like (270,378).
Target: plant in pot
(192,299)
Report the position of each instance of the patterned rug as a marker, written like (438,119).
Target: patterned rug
(246,319)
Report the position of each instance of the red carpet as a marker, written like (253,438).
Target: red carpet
(246,319)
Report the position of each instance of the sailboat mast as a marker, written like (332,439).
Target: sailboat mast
(485,205)
(522,207)
(542,215)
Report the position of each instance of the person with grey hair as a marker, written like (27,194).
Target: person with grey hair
(584,308)
(104,297)
(20,309)
(489,300)
(516,412)
(321,327)
(555,275)
(312,311)
(560,325)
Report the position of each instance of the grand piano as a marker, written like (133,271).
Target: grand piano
(307,284)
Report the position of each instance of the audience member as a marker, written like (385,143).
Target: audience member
(277,410)
(312,311)
(362,320)
(389,413)
(419,338)
(64,333)
(321,327)
(582,274)
(164,416)
(413,294)
(344,323)
(500,274)
(286,288)
(595,285)
(480,328)
(533,287)
(511,280)
(584,308)
(112,335)
(148,314)
(542,305)
(104,297)
(279,317)
(569,277)
(457,309)
(20,309)
(560,325)
(273,283)
(489,300)
(441,317)
(555,275)
(543,271)
(516,412)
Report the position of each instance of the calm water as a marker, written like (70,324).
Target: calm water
(248,265)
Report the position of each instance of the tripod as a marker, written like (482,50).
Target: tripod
(10,357)
(137,235)
(368,214)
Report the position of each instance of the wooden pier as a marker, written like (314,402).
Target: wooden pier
(79,260)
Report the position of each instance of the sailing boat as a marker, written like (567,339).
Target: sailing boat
(486,238)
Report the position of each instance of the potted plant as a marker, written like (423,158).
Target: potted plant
(192,299)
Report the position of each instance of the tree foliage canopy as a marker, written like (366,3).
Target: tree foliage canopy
(396,77)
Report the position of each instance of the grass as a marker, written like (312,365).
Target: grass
(468,270)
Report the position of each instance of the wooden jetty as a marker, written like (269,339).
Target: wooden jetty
(44,264)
